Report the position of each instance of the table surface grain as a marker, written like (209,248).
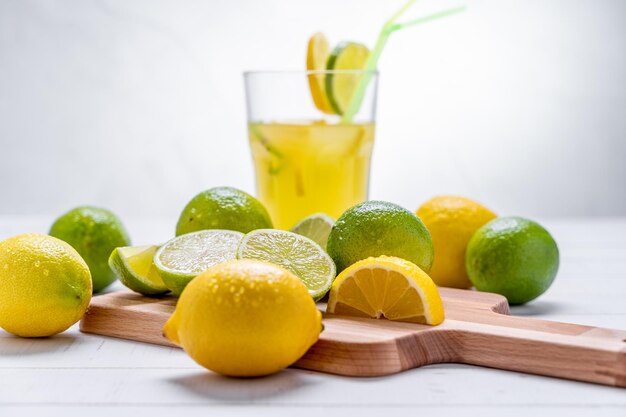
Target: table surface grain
(75,374)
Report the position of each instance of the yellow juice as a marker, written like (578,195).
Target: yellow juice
(305,168)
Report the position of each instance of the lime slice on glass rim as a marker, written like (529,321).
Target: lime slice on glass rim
(183,258)
(340,87)
(316,227)
(135,267)
(294,252)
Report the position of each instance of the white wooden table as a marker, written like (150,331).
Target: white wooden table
(75,374)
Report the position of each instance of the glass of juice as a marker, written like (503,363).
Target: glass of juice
(309,157)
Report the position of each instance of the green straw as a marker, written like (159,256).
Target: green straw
(372,62)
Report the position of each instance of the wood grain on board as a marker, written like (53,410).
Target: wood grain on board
(477,331)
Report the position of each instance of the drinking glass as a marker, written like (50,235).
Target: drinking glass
(307,160)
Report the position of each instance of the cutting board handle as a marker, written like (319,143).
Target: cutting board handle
(474,332)
(541,347)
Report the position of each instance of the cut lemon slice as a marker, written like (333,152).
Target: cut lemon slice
(316,59)
(135,268)
(340,86)
(387,287)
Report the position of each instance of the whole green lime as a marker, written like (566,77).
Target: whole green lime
(512,256)
(376,228)
(223,208)
(94,233)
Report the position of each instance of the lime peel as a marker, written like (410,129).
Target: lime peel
(135,268)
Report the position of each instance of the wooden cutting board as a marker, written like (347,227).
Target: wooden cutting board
(477,331)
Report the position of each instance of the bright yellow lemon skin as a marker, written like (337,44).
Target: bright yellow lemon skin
(451,221)
(45,286)
(245,318)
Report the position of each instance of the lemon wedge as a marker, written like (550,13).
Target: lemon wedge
(387,287)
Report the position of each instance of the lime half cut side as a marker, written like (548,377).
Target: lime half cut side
(183,258)
(316,227)
(296,253)
(135,268)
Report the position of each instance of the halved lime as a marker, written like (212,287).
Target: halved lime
(316,59)
(294,252)
(340,87)
(135,268)
(316,227)
(183,258)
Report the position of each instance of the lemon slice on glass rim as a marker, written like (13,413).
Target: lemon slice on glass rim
(316,58)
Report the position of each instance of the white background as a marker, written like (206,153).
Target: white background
(139,105)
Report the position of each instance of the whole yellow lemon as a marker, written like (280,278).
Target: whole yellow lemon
(245,318)
(452,220)
(45,286)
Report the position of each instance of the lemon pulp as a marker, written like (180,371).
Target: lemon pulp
(387,287)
